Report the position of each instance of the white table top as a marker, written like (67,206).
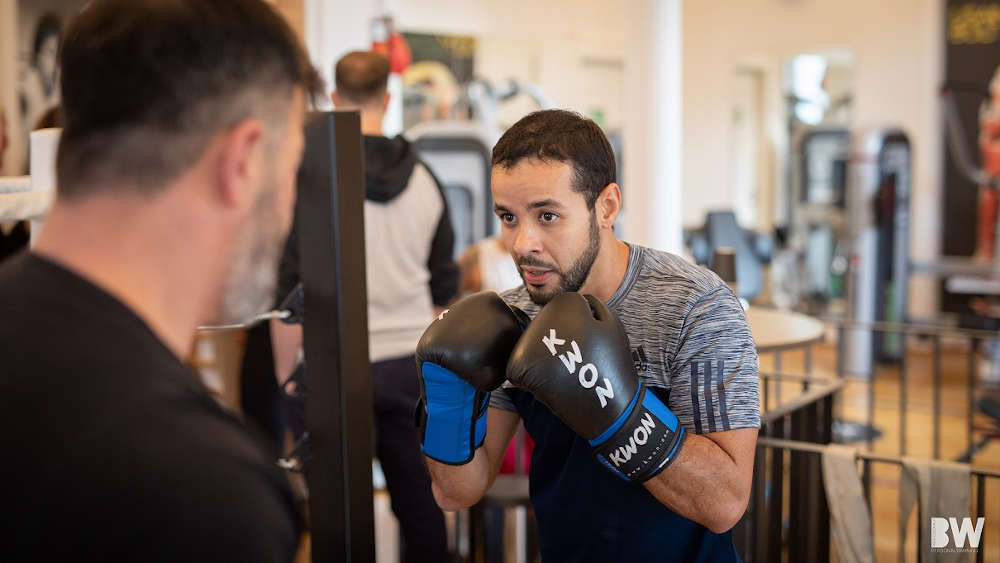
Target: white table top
(774,330)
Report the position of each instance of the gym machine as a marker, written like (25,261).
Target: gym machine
(878,225)
(819,177)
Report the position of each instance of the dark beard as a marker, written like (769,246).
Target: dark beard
(573,278)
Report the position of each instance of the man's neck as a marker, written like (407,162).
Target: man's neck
(136,253)
(371,118)
(608,271)
(371,123)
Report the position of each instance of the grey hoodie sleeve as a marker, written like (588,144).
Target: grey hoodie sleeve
(441,261)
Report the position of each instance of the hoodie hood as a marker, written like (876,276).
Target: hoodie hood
(388,166)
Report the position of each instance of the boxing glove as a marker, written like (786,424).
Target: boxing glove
(575,358)
(461,357)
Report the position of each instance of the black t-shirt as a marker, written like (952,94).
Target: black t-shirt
(112,448)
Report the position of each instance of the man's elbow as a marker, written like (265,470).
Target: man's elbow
(722,524)
(728,515)
(452,500)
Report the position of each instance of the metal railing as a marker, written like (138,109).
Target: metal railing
(974,340)
(788,518)
(761,535)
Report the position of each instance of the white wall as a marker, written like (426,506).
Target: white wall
(898,66)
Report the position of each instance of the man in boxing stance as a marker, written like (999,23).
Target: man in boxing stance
(176,181)
(645,424)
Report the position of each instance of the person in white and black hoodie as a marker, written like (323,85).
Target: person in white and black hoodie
(411,276)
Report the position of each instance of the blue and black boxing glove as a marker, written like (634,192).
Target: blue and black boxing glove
(575,358)
(461,358)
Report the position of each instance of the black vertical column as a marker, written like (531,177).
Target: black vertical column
(971,53)
(330,217)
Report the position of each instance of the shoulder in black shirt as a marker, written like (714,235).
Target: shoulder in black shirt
(113,449)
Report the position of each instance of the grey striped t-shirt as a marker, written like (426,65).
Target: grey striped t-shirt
(689,337)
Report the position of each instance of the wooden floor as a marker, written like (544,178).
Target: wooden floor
(917,428)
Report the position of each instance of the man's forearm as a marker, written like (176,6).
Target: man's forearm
(704,484)
(460,486)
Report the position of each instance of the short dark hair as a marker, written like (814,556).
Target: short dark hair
(361,76)
(562,136)
(146,85)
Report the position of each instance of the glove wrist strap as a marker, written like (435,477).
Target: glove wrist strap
(450,416)
(646,439)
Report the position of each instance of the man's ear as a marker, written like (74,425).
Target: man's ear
(608,205)
(385,102)
(239,163)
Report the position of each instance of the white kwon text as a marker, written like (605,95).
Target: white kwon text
(587,374)
(638,438)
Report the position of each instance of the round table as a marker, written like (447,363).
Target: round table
(775,330)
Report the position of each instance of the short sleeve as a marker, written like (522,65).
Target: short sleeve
(715,384)
(499,399)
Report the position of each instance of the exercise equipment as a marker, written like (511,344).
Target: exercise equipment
(878,224)
(752,249)
(290,311)
(819,180)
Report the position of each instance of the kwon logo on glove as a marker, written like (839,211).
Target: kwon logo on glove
(588,375)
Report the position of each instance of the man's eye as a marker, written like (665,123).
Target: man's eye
(548,217)
(507,218)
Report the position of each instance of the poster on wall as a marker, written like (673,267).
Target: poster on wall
(972,135)
(40,25)
(432,84)
(39,73)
